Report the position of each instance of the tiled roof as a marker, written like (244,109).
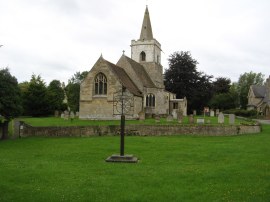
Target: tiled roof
(259,91)
(125,79)
(141,73)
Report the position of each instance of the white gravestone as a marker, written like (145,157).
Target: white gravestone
(200,121)
(231,119)
(221,118)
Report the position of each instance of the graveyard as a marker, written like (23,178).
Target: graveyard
(185,120)
(158,126)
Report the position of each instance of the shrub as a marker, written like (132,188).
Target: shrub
(241,112)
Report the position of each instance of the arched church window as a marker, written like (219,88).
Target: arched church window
(143,56)
(150,100)
(100,84)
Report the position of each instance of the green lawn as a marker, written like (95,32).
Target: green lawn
(175,168)
(53,121)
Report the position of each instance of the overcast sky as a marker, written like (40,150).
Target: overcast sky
(56,38)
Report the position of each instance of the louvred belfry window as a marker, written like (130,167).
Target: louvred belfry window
(143,56)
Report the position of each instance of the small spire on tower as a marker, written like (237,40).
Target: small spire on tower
(146,31)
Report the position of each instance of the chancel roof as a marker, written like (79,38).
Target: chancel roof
(125,79)
(141,73)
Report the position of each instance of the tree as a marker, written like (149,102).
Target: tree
(73,90)
(221,85)
(10,99)
(55,95)
(244,82)
(222,101)
(222,98)
(183,79)
(35,98)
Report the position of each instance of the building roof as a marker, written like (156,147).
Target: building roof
(146,31)
(140,73)
(125,79)
(259,91)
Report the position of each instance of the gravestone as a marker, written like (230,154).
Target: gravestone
(217,112)
(180,116)
(169,118)
(194,112)
(72,115)
(200,121)
(206,111)
(56,113)
(141,115)
(221,118)
(66,115)
(231,119)
(191,119)
(157,118)
(174,114)
(212,113)
(77,114)
(62,115)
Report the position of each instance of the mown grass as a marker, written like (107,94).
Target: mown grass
(55,121)
(175,168)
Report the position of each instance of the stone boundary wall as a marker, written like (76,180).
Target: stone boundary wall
(140,130)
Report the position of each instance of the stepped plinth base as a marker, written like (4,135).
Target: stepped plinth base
(115,158)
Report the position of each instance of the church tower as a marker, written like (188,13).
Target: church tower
(147,51)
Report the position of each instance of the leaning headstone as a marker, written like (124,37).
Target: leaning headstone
(180,116)
(200,121)
(169,118)
(231,119)
(220,118)
(212,113)
(191,119)
(141,115)
(157,118)
(194,112)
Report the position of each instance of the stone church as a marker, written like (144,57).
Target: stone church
(259,98)
(139,77)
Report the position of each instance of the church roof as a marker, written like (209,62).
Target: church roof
(146,31)
(259,91)
(141,73)
(125,79)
